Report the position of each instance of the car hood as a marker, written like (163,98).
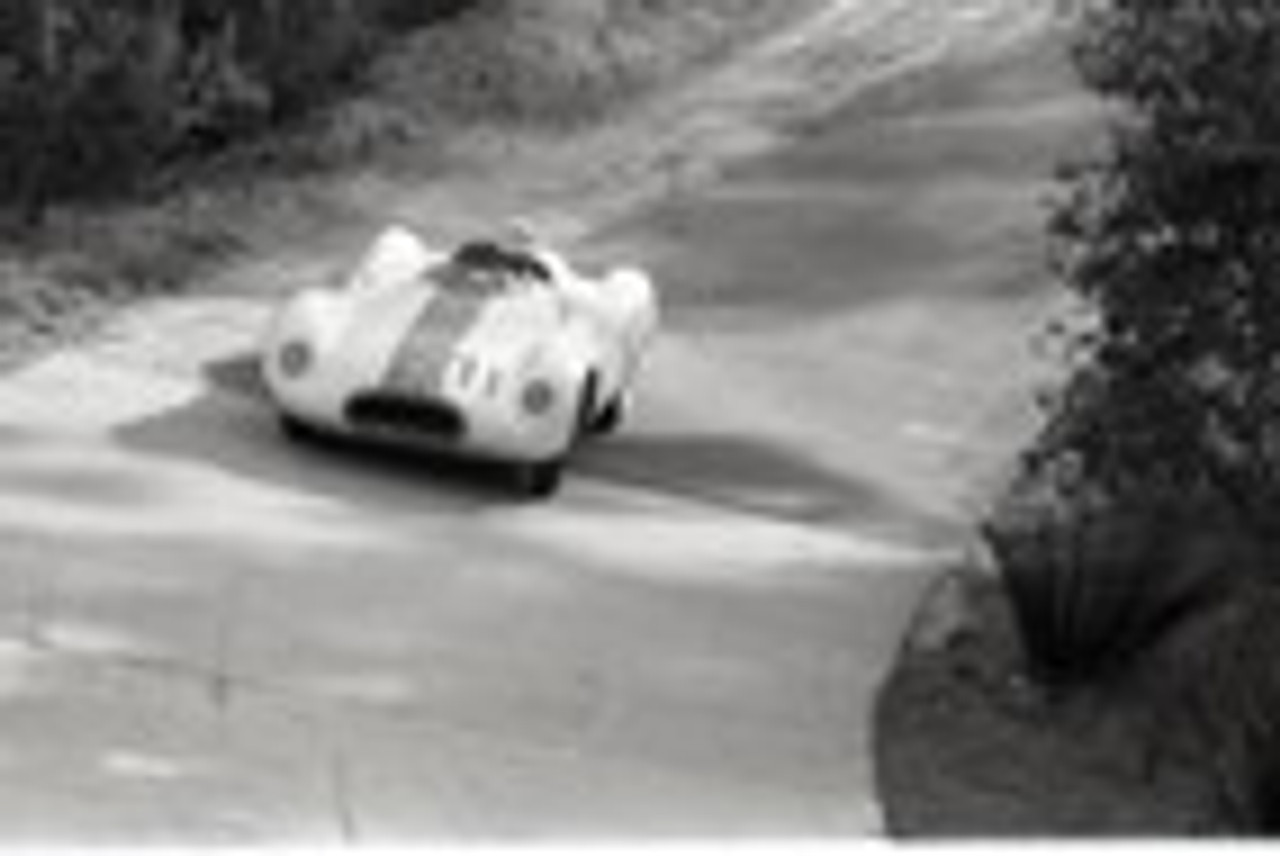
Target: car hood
(501,332)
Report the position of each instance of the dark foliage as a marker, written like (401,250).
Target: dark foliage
(1171,241)
(1168,430)
(408,14)
(1215,687)
(1097,580)
(94,93)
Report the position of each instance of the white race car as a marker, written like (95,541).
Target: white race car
(499,351)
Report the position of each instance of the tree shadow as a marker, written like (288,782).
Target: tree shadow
(752,475)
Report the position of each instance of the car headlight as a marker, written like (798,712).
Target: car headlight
(538,398)
(295,359)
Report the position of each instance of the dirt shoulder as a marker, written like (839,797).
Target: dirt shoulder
(968,748)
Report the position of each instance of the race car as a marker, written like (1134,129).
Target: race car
(498,350)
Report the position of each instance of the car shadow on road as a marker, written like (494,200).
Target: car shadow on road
(742,474)
(232,427)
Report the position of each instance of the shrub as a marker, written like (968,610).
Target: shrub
(411,14)
(1166,436)
(96,93)
(1093,578)
(1170,241)
(298,49)
(93,105)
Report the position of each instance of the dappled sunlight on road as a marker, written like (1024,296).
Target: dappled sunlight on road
(684,544)
(96,488)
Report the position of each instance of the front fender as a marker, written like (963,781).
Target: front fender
(570,364)
(574,355)
(314,315)
(314,318)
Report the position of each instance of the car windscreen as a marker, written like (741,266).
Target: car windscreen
(488,256)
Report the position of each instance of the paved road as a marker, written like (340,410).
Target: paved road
(208,635)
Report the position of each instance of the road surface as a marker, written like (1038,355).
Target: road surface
(208,635)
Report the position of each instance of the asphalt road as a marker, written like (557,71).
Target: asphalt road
(210,635)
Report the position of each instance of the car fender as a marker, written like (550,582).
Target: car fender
(314,315)
(315,318)
(631,299)
(395,256)
(570,362)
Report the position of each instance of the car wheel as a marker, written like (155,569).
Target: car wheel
(587,407)
(609,419)
(298,430)
(541,479)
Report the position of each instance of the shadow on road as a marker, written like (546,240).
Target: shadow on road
(750,475)
(232,427)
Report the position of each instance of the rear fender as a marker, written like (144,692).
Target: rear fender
(631,301)
(397,255)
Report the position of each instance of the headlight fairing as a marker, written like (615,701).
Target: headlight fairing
(538,398)
(295,358)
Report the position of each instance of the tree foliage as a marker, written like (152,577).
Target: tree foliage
(95,92)
(1171,242)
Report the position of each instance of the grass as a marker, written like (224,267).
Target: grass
(557,64)
(59,280)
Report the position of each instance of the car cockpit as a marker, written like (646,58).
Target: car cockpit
(488,266)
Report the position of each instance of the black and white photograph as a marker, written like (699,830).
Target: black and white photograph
(573,422)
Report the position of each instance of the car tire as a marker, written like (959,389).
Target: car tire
(540,479)
(610,417)
(298,430)
(587,407)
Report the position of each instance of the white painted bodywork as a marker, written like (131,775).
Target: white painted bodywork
(568,332)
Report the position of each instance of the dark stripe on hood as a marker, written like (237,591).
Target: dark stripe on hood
(419,365)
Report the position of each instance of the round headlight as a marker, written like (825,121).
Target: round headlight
(295,359)
(538,397)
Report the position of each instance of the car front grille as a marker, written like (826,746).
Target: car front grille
(406,417)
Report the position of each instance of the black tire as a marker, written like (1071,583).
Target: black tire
(587,406)
(297,430)
(610,417)
(541,479)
